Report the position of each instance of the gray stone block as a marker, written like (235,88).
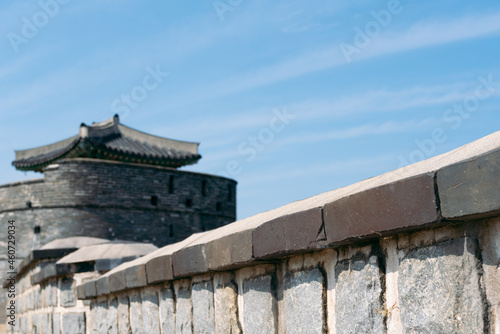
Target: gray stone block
(202,297)
(470,188)
(304,298)
(260,306)
(183,316)
(189,261)
(80,291)
(159,266)
(400,205)
(226,305)
(73,323)
(36,323)
(117,281)
(135,276)
(300,231)
(358,296)
(56,323)
(102,316)
(102,285)
(94,316)
(113,316)
(159,269)
(67,292)
(440,289)
(53,293)
(167,310)
(150,311)
(123,315)
(135,312)
(38,298)
(230,251)
(47,322)
(90,289)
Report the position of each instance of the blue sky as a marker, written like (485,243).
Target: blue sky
(290,98)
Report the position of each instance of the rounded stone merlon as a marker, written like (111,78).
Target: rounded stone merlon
(90,289)
(189,261)
(73,242)
(300,231)
(400,205)
(469,189)
(159,263)
(108,250)
(102,285)
(80,291)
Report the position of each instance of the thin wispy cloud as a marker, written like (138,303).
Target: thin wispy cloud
(420,35)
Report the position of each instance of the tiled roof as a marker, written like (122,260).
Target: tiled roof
(110,140)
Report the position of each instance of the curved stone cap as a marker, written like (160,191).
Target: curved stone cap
(459,185)
(107,251)
(110,140)
(153,267)
(73,242)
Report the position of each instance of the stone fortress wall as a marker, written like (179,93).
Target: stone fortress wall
(113,200)
(416,250)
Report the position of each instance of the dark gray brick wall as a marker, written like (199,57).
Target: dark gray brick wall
(85,197)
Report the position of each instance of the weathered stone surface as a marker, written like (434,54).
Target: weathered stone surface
(471,187)
(90,289)
(56,323)
(167,310)
(117,281)
(38,298)
(108,264)
(203,308)
(159,269)
(94,317)
(183,322)
(150,315)
(80,291)
(30,301)
(491,265)
(358,296)
(113,316)
(67,292)
(109,250)
(398,205)
(47,322)
(135,276)
(260,306)
(299,231)
(304,298)
(73,323)
(123,315)
(226,304)
(229,251)
(189,261)
(135,312)
(439,289)
(159,266)
(36,323)
(51,293)
(102,316)
(102,285)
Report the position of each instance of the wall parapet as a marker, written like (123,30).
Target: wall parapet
(416,250)
(460,185)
